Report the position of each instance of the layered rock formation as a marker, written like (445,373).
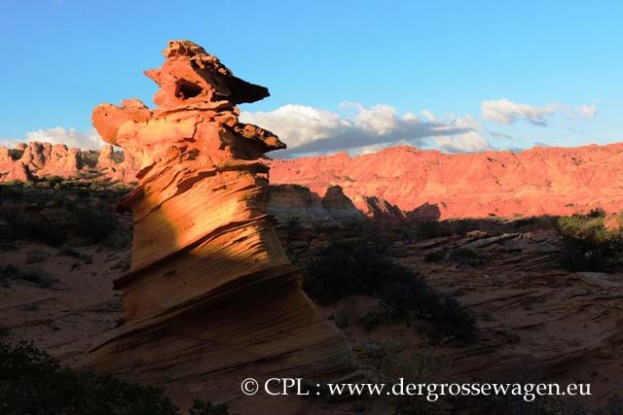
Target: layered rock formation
(210,289)
(404,181)
(288,202)
(46,159)
(536,320)
(123,170)
(555,181)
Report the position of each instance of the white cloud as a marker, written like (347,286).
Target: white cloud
(586,111)
(428,115)
(505,112)
(308,130)
(60,135)
(462,143)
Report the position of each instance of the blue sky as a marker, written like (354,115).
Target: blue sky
(352,75)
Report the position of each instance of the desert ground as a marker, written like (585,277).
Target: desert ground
(530,300)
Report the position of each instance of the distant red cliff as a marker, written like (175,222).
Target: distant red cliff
(395,181)
(533,182)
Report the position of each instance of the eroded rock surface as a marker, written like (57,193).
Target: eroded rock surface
(399,182)
(210,289)
(553,181)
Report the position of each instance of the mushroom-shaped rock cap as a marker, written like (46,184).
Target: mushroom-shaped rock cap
(195,106)
(190,74)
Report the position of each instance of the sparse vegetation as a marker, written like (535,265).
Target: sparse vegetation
(402,361)
(57,212)
(101,227)
(29,228)
(38,276)
(208,408)
(31,382)
(355,267)
(4,331)
(36,256)
(589,244)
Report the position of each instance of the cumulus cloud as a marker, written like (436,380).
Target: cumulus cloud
(60,135)
(309,130)
(505,112)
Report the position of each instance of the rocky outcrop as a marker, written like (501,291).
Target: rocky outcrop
(287,202)
(378,208)
(46,159)
(339,206)
(210,293)
(555,181)
(60,160)
(6,161)
(36,154)
(111,167)
(105,158)
(19,172)
(535,319)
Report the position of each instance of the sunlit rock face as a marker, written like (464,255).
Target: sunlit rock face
(210,290)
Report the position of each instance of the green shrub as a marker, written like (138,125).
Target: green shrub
(588,244)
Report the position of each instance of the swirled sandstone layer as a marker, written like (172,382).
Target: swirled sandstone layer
(210,289)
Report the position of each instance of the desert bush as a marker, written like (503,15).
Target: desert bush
(31,382)
(38,276)
(401,360)
(9,271)
(352,267)
(53,181)
(101,226)
(33,229)
(35,256)
(208,408)
(10,192)
(429,229)
(95,224)
(464,257)
(406,297)
(589,229)
(588,244)
(436,255)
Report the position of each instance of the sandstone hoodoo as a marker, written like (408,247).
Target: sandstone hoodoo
(210,289)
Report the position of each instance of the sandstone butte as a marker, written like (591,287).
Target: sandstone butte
(210,292)
(396,182)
